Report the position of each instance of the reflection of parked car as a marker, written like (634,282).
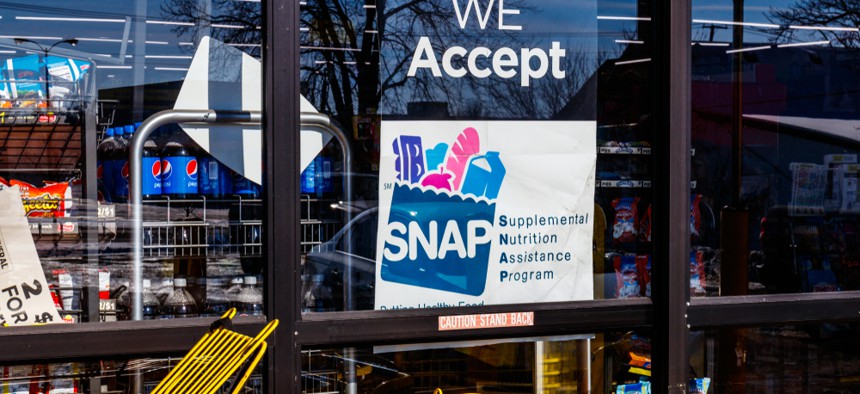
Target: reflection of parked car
(330,258)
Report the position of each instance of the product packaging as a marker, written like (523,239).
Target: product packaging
(848,177)
(695,217)
(643,266)
(833,188)
(624,229)
(699,385)
(52,200)
(697,272)
(626,276)
(808,182)
(645,226)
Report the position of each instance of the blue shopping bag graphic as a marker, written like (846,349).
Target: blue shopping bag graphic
(437,241)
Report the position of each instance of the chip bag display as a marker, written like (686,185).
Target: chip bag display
(52,200)
(625,226)
(695,217)
(626,276)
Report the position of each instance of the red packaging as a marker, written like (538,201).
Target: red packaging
(697,272)
(695,217)
(643,266)
(624,228)
(626,276)
(645,226)
(52,200)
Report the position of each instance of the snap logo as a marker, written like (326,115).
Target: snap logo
(440,226)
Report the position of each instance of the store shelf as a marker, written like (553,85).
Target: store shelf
(623,183)
(39,139)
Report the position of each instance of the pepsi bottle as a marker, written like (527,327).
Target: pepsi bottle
(244,187)
(215,179)
(104,153)
(121,169)
(151,171)
(178,171)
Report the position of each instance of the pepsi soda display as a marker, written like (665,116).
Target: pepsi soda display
(151,170)
(215,179)
(178,171)
(244,187)
(120,187)
(104,154)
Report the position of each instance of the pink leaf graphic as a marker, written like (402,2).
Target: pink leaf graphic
(468,144)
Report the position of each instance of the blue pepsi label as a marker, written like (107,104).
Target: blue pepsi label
(113,180)
(215,179)
(179,175)
(243,186)
(151,179)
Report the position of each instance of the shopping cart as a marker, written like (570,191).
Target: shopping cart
(220,354)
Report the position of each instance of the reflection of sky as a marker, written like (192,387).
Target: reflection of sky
(166,53)
(755,11)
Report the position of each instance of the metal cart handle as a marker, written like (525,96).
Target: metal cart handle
(314,120)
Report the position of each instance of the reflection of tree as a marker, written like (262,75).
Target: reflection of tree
(243,17)
(355,56)
(832,13)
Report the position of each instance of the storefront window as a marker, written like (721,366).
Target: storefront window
(789,359)
(140,375)
(472,153)
(82,80)
(774,202)
(598,363)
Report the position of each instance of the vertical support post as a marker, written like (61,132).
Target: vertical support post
(281,142)
(671,89)
(89,190)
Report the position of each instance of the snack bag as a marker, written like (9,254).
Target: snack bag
(697,272)
(645,226)
(695,217)
(699,385)
(643,265)
(634,388)
(626,276)
(624,229)
(52,200)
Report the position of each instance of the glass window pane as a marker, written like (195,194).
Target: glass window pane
(92,75)
(817,358)
(597,363)
(471,155)
(774,166)
(140,375)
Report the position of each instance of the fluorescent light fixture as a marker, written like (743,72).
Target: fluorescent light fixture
(116,67)
(710,44)
(59,19)
(350,63)
(99,39)
(750,24)
(167,57)
(245,45)
(157,42)
(629,42)
(320,62)
(828,28)
(156,22)
(370,6)
(7,52)
(750,49)
(371,31)
(803,44)
(624,18)
(332,49)
(304,29)
(111,76)
(35,37)
(223,26)
(632,61)
(171,69)
(186,43)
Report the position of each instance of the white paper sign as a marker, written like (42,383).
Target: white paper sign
(24,295)
(485,212)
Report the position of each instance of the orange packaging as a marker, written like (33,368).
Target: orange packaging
(52,201)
